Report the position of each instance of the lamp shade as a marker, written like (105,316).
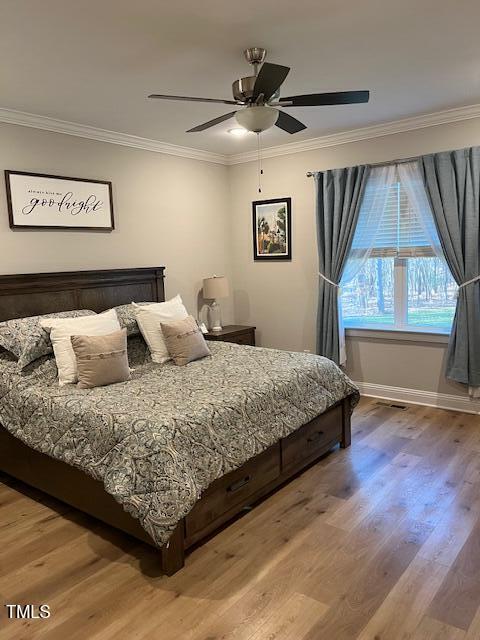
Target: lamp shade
(215,287)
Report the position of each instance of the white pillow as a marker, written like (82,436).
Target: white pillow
(61,330)
(150,317)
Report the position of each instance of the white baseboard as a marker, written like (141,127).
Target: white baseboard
(415,396)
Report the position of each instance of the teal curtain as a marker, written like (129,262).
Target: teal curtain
(339,194)
(452,182)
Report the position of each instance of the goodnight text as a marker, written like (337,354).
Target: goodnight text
(65,204)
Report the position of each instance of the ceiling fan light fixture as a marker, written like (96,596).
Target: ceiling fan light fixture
(257,118)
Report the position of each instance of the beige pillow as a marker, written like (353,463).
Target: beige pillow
(61,331)
(101,360)
(149,318)
(184,340)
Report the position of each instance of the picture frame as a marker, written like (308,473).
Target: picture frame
(272,229)
(45,201)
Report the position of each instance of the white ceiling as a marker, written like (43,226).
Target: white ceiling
(94,61)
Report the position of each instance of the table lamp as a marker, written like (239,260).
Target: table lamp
(214,288)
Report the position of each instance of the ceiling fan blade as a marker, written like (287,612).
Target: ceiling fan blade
(212,123)
(269,79)
(323,99)
(288,123)
(159,96)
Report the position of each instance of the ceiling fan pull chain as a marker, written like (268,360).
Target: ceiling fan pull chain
(259,164)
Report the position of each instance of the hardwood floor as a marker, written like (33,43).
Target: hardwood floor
(377,542)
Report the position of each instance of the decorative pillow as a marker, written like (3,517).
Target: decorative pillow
(127,318)
(185,341)
(61,332)
(101,360)
(149,319)
(28,340)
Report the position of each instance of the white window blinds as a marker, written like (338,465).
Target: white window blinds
(401,232)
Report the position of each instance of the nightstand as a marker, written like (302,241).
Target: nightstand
(240,334)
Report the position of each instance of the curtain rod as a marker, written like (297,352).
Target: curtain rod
(375,164)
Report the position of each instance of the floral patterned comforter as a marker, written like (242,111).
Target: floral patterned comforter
(160,439)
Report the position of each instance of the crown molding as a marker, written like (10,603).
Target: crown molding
(45,123)
(364,133)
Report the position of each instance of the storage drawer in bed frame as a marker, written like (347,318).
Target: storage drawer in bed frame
(306,444)
(230,494)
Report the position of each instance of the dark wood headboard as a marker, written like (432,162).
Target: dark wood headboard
(39,293)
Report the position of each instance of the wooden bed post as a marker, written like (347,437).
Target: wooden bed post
(173,555)
(346,424)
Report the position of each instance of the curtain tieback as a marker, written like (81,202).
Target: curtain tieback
(464,284)
(334,284)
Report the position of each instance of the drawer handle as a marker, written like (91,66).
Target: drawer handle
(238,484)
(316,436)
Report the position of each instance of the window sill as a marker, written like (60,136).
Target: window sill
(408,335)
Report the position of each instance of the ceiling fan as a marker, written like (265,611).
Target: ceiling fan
(259,95)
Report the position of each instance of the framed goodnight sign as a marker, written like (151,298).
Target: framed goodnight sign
(40,201)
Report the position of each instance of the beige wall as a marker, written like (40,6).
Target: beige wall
(195,218)
(400,364)
(168,211)
(280,298)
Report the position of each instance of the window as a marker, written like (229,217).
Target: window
(402,285)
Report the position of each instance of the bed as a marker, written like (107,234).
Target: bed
(176,452)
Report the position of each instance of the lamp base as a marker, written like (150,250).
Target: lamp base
(215,317)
